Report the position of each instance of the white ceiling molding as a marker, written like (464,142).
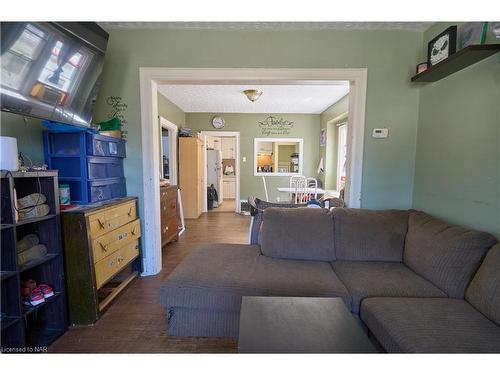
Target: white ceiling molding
(271,26)
(312,99)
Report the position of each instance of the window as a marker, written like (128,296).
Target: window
(20,56)
(342,156)
(278,156)
(68,71)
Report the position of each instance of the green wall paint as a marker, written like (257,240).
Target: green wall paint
(329,153)
(390,57)
(458,150)
(305,126)
(29,135)
(170,111)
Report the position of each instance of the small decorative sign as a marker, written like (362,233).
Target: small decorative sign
(322,138)
(118,108)
(275,126)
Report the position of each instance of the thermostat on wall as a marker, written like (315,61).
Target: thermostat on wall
(380,133)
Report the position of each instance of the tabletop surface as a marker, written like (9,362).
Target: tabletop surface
(305,190)
(299,325)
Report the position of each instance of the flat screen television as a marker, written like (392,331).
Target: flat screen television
(51,70)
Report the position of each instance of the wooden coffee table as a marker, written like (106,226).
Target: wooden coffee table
(299,325)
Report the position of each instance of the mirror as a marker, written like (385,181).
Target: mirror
(278,156)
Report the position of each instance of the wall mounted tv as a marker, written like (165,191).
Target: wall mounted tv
(51,70)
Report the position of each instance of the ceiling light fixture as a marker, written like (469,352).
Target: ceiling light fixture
(252,95)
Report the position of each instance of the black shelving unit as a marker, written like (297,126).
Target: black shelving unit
(458,61)
(29,329)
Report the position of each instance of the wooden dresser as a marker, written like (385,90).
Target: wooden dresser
(101,252)
(169,214)
(192,168)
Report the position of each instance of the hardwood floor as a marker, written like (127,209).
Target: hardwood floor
(227,205)
(136,323)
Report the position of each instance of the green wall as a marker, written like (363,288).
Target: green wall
(329,152)
(29,135)
(170,111)
(390,57)
(305,126)
(458,149)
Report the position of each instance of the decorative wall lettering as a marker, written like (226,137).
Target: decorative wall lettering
(118,108)
(275,126)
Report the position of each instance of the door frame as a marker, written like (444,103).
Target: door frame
(222,133)
(150,77)
(172,148)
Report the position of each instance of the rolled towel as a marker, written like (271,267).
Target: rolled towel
(27,242)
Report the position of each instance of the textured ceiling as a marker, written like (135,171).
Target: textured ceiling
(275,98)
(271,26)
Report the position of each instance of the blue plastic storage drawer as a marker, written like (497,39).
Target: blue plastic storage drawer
(101,145)
(101,190)
(104,167)
(82,144)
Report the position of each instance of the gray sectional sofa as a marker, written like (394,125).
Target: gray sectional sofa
(416,283)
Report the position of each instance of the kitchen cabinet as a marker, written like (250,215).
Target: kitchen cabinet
(228,148)
(229,188)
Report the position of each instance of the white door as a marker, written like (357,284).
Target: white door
(228,148)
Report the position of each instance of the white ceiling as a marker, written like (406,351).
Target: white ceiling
(313,99)
(271,26)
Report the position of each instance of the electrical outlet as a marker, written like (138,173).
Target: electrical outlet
(244,159)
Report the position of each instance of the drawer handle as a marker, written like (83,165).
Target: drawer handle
(119,259)
(100,223)
(133,231)
(129,211)
(104,247)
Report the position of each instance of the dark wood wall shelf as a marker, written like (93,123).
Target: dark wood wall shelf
(25,326)
(458,61)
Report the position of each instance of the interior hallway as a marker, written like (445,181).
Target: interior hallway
(136,322)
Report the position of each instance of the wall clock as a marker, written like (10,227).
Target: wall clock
(218,122)
(442,46)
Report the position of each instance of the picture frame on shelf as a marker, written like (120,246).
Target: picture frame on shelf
(471,33)
(442,46)
(422,67)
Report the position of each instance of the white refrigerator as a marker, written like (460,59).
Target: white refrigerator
(214,171)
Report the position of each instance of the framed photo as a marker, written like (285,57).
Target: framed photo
(442,46)
(470,33)
(322,138)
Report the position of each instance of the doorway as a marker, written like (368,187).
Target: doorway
(168,151)
(150,78)
(223,170)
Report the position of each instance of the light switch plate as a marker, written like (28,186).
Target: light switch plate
(380,133)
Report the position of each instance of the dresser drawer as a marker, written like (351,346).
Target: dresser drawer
(112,264)
(169,230)
(108,220)
(116,239)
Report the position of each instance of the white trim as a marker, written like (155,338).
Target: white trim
(221,133)
(172,148)
(151,77)
(300,141)
(339,153)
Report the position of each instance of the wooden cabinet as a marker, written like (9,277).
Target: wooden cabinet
(229,188)
(102,255)
(192,167)
(169,214)
(228,148)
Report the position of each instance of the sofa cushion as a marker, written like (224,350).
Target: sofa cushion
(298,233)
(447,255)
(382,279)
(217,276)
(484,290)
(370,235)
(429,325)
